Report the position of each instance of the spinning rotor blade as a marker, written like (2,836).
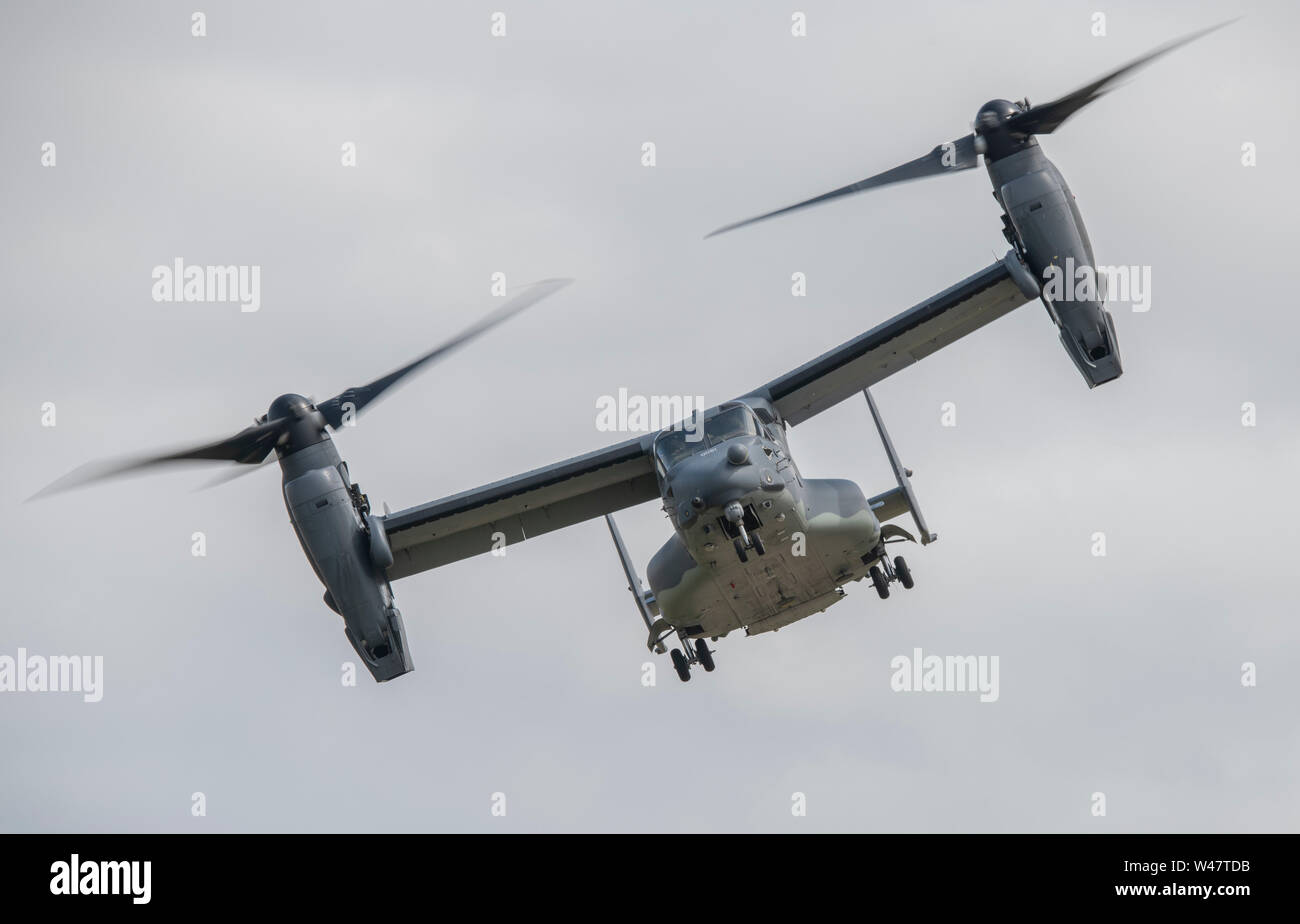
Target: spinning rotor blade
(362,395)
(1041,120)
(962,154)
(956,155)
(249,446)
(290,414)
(238,472)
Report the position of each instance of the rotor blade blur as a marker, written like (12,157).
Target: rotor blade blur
(235,473)
(249,446)
(360,396)
(1040,120)
(956,155)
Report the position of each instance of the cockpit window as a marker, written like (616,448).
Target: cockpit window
(734,421)
(674,445)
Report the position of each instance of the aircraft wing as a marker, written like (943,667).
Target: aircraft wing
(588,486)
(895,344)
(536,502)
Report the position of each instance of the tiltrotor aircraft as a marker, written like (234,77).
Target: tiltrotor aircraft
(756,544)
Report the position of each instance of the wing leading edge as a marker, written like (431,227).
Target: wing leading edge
(895,344)
(608,480)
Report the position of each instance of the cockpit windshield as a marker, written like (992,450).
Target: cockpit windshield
(674,445)
(737,420)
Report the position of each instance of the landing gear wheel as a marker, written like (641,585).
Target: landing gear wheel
(680,665)
(881,584)
(703,655)
(758,545)
(904,573)
(740,551)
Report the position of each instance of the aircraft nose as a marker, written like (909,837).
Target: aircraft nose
(703,485)
(731,484)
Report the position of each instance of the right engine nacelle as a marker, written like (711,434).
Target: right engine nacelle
(1049,232)
(349,552)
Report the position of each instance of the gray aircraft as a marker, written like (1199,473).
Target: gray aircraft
(756,544)
(1040,218)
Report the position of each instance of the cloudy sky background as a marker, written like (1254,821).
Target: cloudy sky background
(522,155)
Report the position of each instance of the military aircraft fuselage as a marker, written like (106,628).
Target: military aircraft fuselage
(757,545)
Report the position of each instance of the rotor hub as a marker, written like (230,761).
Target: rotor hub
(303,425)
(997,134)
(291,407)
(994,114)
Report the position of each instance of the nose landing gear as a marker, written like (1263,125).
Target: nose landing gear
(744,541)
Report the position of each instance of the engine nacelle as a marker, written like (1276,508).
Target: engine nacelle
(1049,234)
(349,551)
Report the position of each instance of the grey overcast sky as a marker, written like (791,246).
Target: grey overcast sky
(1119,674)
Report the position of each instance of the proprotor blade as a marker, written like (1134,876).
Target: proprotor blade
(956,155)
(249,446)
(1040,120)
(227,476)
(292,419)
(360,396)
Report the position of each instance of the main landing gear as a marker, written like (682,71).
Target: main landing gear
(660,629)
(699,654)
(885,573)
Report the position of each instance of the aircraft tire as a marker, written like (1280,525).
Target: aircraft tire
(878,580)
(680,665)
(904,573)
